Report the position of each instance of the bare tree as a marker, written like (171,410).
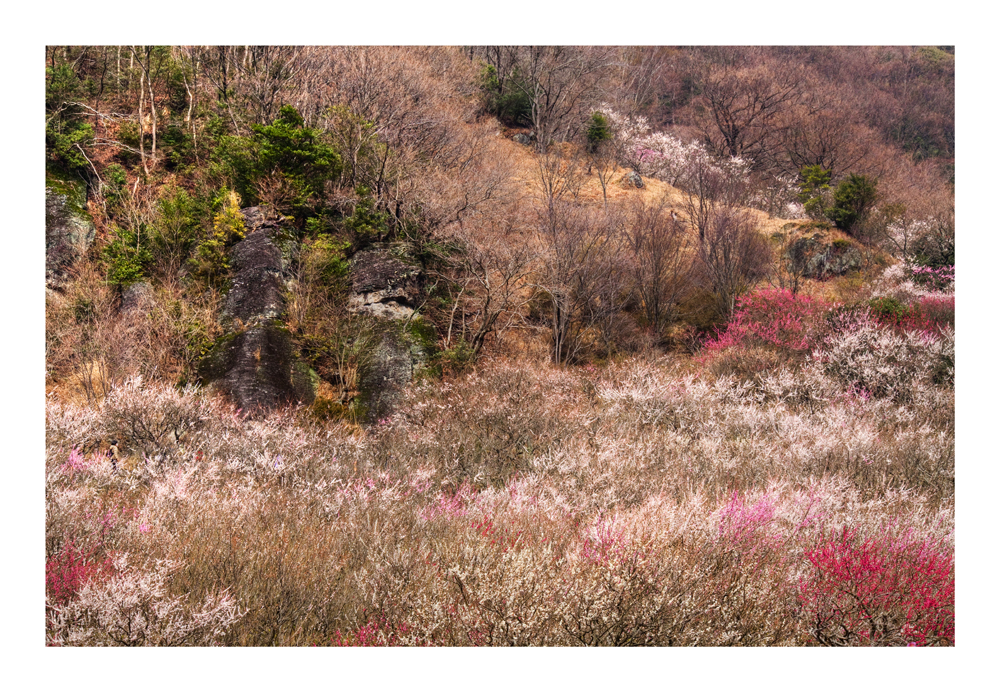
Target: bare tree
(822,130)
(743,104)
(660,249)
(580,273)
(710,185)
(264,75)
(557,176)
(492,270)
(145,59)
(562,84)
(789,268)
(733,254)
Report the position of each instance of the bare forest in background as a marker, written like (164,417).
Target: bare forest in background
(677,327)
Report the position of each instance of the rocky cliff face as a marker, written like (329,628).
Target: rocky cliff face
(69,230)
(383,285)
(254,362)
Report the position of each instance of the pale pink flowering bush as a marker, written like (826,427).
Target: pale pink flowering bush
(663,156)
(908,283)
(641,503)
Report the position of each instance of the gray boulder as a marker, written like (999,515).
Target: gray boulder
(816,258)
(634,179)
(403,350)
(383,285)
(69,230)
(522,139)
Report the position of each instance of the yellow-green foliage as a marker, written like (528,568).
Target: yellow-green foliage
(210,263)
(228,223)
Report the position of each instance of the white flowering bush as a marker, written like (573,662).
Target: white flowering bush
(134,608)
(663,156)
(151,419)
(875,361)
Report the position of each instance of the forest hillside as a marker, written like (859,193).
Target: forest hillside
(500,345)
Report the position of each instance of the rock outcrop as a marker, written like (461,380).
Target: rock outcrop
(383,285)
(634,179)
(69,231)
(254,362)
(386,286)
(816,258)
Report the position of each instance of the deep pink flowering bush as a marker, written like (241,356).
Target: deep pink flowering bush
(67,571)
(880,591)
(772,319)
(927,314)
(938,310)
(75,462)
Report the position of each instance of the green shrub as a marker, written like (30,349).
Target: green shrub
(853,201)
(814,188)
(329,410)
(598,131)
(367,224)
(115,184)
(508,102)
(210,263)
(66,130)
(176,146)
(286,148)
(323,260)
(888,308)
(127,256)
(457,359)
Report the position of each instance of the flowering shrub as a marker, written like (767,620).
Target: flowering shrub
(866,357)
(67,571)
(773,317)
(939,279)
(879,592)
(377,632)
(639,504)
(929,314)
(901,282)
(150,418)
(133,608)
(663,156)
(938,310)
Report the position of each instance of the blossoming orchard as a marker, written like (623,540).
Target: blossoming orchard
(499,346)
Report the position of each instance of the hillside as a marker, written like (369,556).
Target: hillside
(500,346)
